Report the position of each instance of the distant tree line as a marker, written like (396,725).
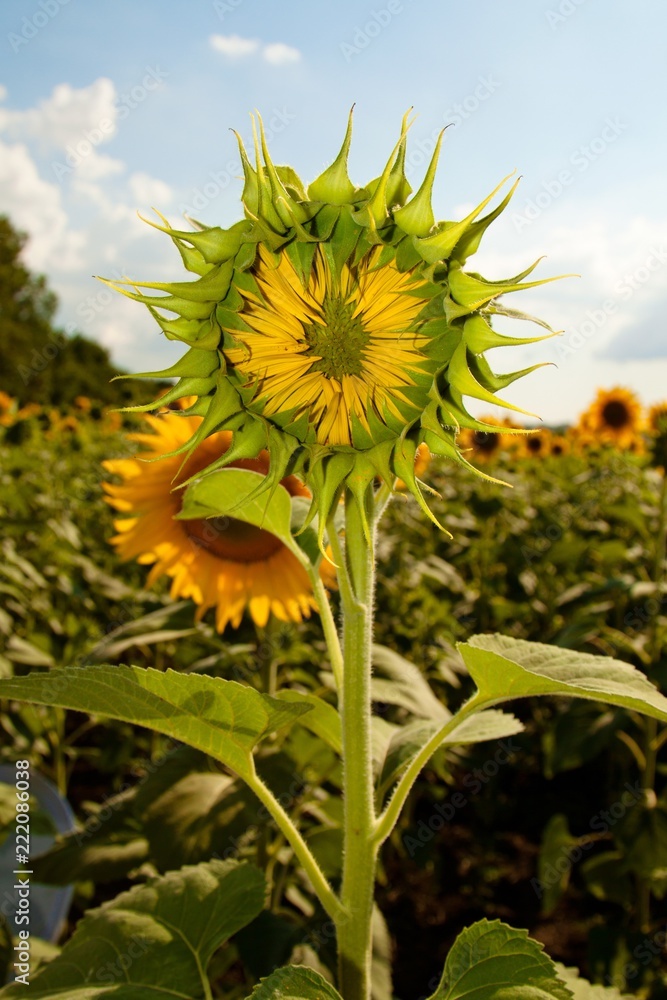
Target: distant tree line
(40,363)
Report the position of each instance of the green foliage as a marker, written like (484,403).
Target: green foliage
(154,941)
(296,983)
(504,668)
(223,718)
(148,806)
(491,961)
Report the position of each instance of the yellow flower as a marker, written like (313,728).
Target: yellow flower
(483,445)
(334,350)
(220,562)
(657,418)
(614,417)
(559,445)
(336,326)
(538,444)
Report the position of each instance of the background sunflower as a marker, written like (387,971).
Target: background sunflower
(218,562)
(614,417)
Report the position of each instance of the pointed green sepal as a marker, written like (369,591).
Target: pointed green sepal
(416,218)
(462,379)
(405,453)
(250,195)
(471,291)
(195,363)
(441,245)
(399,188)
(479,336)
(334,185)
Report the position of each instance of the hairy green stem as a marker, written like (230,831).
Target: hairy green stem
(387,821)
(353,927)
(321,887)
(329,628)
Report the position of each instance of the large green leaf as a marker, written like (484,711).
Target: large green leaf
(491,961)
(296,982)
(223,718)
(323,720)
(236,493)
(155,941)
(504,668)
(406,742)
(396,681)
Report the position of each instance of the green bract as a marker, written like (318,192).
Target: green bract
(342,424)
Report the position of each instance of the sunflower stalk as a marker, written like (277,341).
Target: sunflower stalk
(360,853)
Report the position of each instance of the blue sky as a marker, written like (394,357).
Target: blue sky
(570,93)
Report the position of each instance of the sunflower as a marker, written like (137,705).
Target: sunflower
(537,444)
(335,351)
(657,418)
(335,326)
(483,445)
(219,562)
(615,417)
(559,445)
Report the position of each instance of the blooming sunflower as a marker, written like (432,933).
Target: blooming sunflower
(615,417)
(223,563)
(537,444)
(657,418)
(559,445)
(483,445)
(335,326)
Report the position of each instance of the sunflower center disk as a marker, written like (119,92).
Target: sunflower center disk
(231,539)
(615,414)
(339,341)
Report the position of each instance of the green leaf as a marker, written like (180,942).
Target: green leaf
(583,990)
(553,875)
(173,621)
(491,961)
(223,718)
(504,668)
(323,720)
(396,681)
(406,742)
(155,941)
(295,982)
(238,493)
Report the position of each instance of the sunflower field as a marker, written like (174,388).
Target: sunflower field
(560,828)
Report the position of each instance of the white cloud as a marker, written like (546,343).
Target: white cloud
(95,166)
(67,116)
(280,54)
(234,46)
(148,191)
(3,92)
(35,205)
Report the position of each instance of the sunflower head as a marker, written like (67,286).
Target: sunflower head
(335,325)
(559,445)
(537,444)
(223,563)
(615,417)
